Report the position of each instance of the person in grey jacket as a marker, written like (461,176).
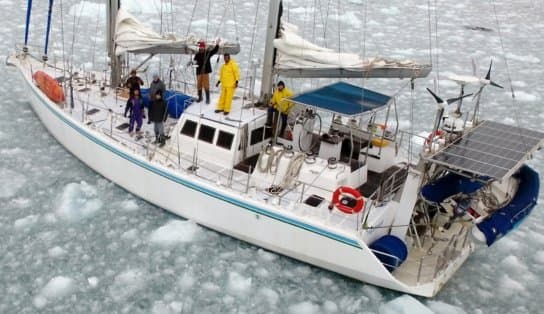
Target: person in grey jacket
(156,84)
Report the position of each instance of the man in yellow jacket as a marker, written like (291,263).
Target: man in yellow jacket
(229,75)
(280,103)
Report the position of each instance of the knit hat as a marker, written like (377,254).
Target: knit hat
(201,44)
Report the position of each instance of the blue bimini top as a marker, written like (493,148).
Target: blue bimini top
(343,98)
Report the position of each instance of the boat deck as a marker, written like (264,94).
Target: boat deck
(433,254)
(102,110)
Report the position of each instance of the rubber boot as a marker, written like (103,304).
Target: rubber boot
(199,96)
(207,97)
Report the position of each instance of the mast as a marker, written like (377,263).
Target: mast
(113,8)
(27,27)
(274,15)
(49,13)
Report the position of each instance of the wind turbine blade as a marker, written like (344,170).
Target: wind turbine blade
(436,98)
(452,100)
(488,76)
(495,84)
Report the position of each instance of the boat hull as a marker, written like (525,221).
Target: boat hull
(214,206)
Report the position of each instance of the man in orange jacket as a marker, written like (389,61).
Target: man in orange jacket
(229,75)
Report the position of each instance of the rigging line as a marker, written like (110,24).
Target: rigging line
(173,16)
(436,52)
(64,65)
(251,49)
(95,37)
(503,52)
(315,16)
(364,26)
(191,19)
(223,17)
(412,106)
(326,22)
(208,19)
(430,32)
(235,20)
(338,25)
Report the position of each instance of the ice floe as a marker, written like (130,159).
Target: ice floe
(175,232)
(56,288)
(10,182)
(26,222)
(78,201)
(238,284)
(404,304)
(127,283)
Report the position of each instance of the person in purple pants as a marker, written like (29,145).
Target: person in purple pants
(135,106)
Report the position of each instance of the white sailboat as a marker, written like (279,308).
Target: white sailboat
(338,195)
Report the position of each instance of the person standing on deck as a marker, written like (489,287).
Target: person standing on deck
(158,115)
(156,84)
(135,107)
(280,103)
(134,82)
(229,75)
(204,68)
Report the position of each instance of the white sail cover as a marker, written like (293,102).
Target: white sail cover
(294,52)
(131,35)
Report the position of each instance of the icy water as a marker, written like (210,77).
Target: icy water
(73,242)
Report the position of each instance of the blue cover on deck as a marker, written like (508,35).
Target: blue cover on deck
(343,98)
(505,219)
(177,102)
(390,250)
(448,185)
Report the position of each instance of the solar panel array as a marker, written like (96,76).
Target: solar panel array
(490,149)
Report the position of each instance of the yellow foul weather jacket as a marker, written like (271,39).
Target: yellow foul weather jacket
(229,74)
(281,104)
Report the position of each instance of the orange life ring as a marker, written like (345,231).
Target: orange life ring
(433,135)
(343,190)
(49,86)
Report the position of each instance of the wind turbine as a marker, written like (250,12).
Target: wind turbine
(474,79)
(442,104)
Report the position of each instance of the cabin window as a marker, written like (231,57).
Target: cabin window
(206,133)
(257,135)
(225,139)
(189,128)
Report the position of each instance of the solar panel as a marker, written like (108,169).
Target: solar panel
(490,149)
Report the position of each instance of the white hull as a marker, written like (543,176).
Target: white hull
(217,208)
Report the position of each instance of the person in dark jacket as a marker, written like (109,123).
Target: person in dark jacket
(204,68)
(134,82)
(158,115)
(135,107)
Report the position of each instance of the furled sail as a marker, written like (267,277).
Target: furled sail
(133,36)
(297,57)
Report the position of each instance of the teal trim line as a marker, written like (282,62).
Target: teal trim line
(198,188)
